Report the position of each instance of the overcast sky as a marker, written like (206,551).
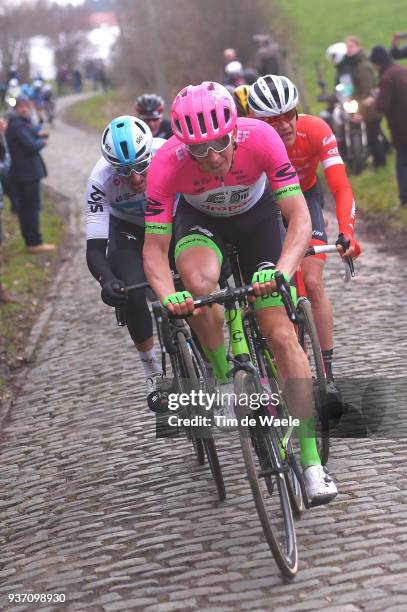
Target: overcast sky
(75,2)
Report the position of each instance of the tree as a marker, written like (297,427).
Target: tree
(165,44)
(65,26)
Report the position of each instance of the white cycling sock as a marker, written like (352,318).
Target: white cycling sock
(150,363)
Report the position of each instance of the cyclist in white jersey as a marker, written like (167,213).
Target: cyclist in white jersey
(115,204)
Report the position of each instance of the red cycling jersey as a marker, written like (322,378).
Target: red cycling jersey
(315,142)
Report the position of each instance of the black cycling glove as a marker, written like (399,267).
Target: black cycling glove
(114,292)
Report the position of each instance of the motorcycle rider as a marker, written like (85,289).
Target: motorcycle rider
(310,141)
(343,86)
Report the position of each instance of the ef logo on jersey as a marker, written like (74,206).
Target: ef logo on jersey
(242,135)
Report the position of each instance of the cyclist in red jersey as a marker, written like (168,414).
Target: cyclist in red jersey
(310,141)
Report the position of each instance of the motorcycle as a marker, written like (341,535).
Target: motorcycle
(343,116)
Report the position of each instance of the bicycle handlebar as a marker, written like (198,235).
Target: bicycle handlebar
(331,248)
(231,294)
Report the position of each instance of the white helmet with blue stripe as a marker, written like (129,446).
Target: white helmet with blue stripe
(127,141)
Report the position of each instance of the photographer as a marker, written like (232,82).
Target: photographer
(395,51)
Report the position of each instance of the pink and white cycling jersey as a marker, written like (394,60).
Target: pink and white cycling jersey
(260,155)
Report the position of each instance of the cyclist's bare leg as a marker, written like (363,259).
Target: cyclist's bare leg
(293,368)
(312,273)
(200,269)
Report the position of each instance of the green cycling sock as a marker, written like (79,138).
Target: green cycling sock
(308,445)
(219,362)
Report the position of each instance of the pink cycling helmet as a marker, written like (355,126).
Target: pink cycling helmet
(203,112)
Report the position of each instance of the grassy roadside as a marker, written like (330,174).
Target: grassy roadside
(98,110)
(318,26)
(27,277)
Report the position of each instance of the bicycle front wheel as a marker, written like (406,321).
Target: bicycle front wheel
(266,474)
(190,366)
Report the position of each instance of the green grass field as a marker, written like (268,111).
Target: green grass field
(26,276)
(97,111)
(320,24)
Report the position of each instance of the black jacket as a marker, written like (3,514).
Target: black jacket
(392,101)
(398,52)
(26,162)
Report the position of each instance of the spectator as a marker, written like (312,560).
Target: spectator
(5,162)
(62,79)
(77,81)
(232,69)
(27,169)
(391,100)
(395,51)
(102,76)
(270,58)
(364,82)
(229,55)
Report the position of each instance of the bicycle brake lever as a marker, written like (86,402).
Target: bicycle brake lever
(349,269)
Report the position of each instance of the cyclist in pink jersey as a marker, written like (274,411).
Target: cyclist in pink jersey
(234,179)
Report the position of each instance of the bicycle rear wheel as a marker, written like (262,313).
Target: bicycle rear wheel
(308,338)
(193,377)
(266,473)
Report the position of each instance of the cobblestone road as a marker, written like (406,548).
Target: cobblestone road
(93,506)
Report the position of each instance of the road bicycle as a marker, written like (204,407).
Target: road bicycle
(265,430)
(184,372)
(308,338)
(267,444)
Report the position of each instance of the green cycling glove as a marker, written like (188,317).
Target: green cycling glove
(267,275)
(178,297)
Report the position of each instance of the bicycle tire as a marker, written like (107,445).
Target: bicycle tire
(185,372)
(291,477)
(203,445)
(263,468)
(308,338)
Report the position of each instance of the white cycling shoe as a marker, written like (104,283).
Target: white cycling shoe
(319,485)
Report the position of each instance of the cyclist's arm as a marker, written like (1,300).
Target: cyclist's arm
(97,231)
(299,230)
(341,190)
(97,261)
(156,267)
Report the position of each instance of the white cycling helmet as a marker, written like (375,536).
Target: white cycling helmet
(234,67)
(272,95)
(126,141)
(337,52)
